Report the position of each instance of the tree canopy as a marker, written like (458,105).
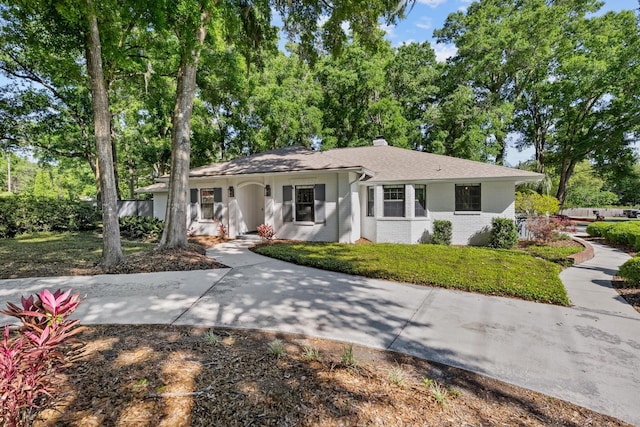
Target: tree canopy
(192,82)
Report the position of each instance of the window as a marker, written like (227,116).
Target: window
(371,192)
(468,198)
(393,200)
(308,204)
(421,200)
(211,203)
(304,204)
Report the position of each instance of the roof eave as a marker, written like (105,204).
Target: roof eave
(357,169)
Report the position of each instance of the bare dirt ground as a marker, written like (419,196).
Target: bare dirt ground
(153,375)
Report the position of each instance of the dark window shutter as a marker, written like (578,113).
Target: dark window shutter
(287,203)
(217,195)
(319,203)
(193,208)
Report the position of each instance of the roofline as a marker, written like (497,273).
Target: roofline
(517,179)
(358,169)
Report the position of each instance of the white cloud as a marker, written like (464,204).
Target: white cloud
(444,51)
(424,23)
(346,27)
(322,19)
(462,9)
(432,3)
(388,29)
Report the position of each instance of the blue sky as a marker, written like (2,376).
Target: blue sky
(428,15)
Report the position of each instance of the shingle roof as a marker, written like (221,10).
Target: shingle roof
(289,159)
(158,187)
(385,163)
(397,164)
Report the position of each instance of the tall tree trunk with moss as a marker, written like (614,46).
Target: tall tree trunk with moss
(175,231)
(111,249)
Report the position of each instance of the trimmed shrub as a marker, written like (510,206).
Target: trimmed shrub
(504,233)
(623,233)
(597,229)
(630,272)
(442,232)
(141,227)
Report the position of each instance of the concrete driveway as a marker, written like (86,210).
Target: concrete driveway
(588,354)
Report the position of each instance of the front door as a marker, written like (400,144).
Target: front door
(251,204)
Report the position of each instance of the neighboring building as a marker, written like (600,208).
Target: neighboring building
(380,193)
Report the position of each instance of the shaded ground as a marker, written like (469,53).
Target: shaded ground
(80,255)
(180,376)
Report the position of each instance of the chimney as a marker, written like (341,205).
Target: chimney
(379,140)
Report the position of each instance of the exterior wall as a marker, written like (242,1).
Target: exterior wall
(208,227)
(327,232)
(345,223)
(160,205)
(409,229)
(368,223)
(345,210)
(472,228)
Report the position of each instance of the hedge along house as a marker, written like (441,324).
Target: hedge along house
(380,193)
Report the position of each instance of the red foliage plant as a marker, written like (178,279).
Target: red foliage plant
(547,229)
(266,232)
(30,359)
(222,231)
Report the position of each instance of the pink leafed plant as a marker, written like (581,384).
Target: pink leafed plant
(222,231)
(31,357)
(266,232)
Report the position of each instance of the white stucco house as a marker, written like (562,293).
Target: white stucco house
(378,192)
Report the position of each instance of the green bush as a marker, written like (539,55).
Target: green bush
(623,233)
(141,227)
(442,232)
(8,225)
(28,214)
(597,229)
(536,204)
(630,272)
(504,233)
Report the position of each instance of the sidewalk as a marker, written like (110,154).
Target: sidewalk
(587,354)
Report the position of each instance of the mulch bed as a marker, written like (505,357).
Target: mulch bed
(188,376)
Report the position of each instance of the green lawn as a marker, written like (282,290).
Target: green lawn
(488,271)
(556,254)
(33,255)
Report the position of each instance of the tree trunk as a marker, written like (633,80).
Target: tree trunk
(131,170)
(175,230)
(114,153)
(111,249)
(565,173)
(502,150)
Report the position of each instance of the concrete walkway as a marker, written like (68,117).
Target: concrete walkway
(588,354)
